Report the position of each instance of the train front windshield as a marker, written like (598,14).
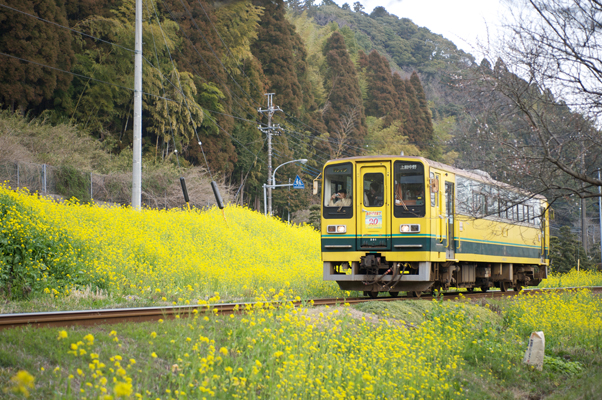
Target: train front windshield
(338,191)
(409,189)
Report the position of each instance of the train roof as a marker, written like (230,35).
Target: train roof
(477,175)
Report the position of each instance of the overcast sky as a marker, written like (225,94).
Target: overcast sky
(461,21)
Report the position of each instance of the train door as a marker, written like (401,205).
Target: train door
(373,204)
(450,211)
(436,208)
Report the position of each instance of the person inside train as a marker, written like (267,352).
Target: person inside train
(398,194)
(339,199)
(373,197)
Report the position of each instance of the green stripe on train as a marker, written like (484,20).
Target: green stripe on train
(429,244)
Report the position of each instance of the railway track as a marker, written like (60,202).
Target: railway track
(113,316)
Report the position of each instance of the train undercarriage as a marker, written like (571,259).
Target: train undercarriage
(373,274)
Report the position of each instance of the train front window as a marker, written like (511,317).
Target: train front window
(409,189)
(338,191)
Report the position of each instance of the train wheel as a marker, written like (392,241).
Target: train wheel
(394,294)
(416,294)
(372,295)
(484,288)
(470,289)
(504,286)
(518,287)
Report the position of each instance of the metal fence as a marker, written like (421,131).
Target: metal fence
(49,180)
(35,177)
(159,191)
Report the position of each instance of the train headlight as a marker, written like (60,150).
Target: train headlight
(409,228)
(336,229)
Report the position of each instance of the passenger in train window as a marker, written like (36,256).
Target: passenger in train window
(339,199)
(374,196)
(398,194)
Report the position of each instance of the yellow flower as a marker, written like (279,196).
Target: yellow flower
(62,335)
(22,382)
(154,355)
(123,389)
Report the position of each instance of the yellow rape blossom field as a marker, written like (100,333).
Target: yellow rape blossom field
(452,350)
(175,255)
(573,278)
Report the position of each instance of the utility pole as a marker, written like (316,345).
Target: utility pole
(583,211)
(137,162)
(270,110)
(600,213)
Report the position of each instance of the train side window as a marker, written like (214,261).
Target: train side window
(478,204)
(373,190)
(537,218)
(409,189)
(338,191)
(510,211)
(463,195)
(492,203)
(434,188)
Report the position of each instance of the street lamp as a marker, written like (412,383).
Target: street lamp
(273,186)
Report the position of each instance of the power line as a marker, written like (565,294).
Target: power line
(318,132)
(300,140)
(66,27)
(288,132)
(83,76)
(229,51)
(173,65)
(210,47)
(223,66)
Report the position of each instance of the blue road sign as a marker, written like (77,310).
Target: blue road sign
(298,184)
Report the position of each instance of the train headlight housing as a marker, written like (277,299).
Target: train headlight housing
(336,229)
(409,228)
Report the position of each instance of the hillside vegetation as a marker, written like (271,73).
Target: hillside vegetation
(343,83)
(72,155)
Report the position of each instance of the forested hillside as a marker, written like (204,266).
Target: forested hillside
(348,83)
(206,68)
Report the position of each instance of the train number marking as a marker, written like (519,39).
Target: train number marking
(374,219)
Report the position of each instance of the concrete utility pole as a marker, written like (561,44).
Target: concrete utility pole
(583,211)
(270,110)
(600,213)
(137,164)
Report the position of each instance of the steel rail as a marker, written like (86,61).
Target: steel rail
(141,314)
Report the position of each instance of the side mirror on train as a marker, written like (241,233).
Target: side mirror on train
(434,185)
(316,184)
(551,214)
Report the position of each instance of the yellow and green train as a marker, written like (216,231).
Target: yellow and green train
(398,223)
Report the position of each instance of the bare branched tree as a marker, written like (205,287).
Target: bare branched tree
(340,139)
(536,114)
